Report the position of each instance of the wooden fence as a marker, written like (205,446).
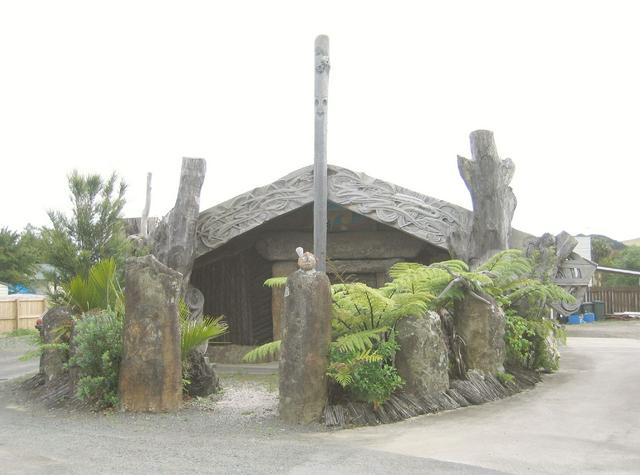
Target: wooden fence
(616,299)
(20,312)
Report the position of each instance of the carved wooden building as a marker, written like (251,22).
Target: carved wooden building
(372,224)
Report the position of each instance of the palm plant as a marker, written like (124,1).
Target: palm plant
(194,333)
(99,290)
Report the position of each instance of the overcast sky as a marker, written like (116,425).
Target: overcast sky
(134,86)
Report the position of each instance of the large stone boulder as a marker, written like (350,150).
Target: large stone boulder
(306,334)
(423,360)
(481,325)
(151,368)
(57,325)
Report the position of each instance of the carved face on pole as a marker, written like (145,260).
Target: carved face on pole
(321,106)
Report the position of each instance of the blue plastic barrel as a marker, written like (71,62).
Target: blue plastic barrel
(589,317)
(574,319)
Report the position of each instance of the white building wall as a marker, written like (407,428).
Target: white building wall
(584,246)
(4,290)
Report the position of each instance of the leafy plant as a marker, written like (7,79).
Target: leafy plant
(100,289)
(266,352)
(194,333)
(529,343)
(97,355)
(92,232)
(366,375)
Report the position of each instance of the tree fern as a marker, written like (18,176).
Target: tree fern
(276,282)
(360,341)
(267,352)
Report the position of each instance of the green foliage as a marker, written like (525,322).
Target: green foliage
(267,352)
(97,356)
(276,282)
(19,254)
(92,232)
(99,290)
(362,341)
(505,378)
(629,259)
(194,333)
(601,250)
(367,375)
(22,332)
(358,307)
(528,342)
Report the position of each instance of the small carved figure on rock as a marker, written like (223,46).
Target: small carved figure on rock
(306,260)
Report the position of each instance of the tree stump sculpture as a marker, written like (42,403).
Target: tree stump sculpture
(481,323)
(487,177)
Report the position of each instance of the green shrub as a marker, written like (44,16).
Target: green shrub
(366,375)
(530,343)
(97,355)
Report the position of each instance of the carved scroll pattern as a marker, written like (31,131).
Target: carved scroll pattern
(221,223)
(421,216)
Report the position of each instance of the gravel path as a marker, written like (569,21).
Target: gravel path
(236,431)
(583,419)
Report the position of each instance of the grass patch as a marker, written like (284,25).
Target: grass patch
(20,332)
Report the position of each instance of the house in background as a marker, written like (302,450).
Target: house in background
(4,289)
(372,224)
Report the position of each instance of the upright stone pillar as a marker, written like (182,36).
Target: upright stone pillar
(151,368)
(481,326)
(306,334)
(52,362)
(422,361)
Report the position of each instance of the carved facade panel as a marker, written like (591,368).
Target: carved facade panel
(421,216)
(426,218)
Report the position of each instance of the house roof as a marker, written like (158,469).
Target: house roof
(421,216)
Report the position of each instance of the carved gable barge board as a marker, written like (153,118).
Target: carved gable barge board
(418,215)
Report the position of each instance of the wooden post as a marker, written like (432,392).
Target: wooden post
(320,148)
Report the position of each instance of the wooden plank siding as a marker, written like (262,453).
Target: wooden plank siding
(18,313)
(233,287)
(616,299)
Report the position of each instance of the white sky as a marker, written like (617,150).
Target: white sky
(134,86)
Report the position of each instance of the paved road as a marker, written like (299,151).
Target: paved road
(585,419)
(11,349)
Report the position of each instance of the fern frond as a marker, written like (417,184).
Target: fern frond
(360,341)
(267,352)
(275,282)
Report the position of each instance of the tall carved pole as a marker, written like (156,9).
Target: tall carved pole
(320,148)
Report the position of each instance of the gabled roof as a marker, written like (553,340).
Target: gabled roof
(421,216)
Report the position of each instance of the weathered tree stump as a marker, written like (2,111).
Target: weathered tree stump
(151,368)
(423,360)
(174,240)
(487,177)
(306,334)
